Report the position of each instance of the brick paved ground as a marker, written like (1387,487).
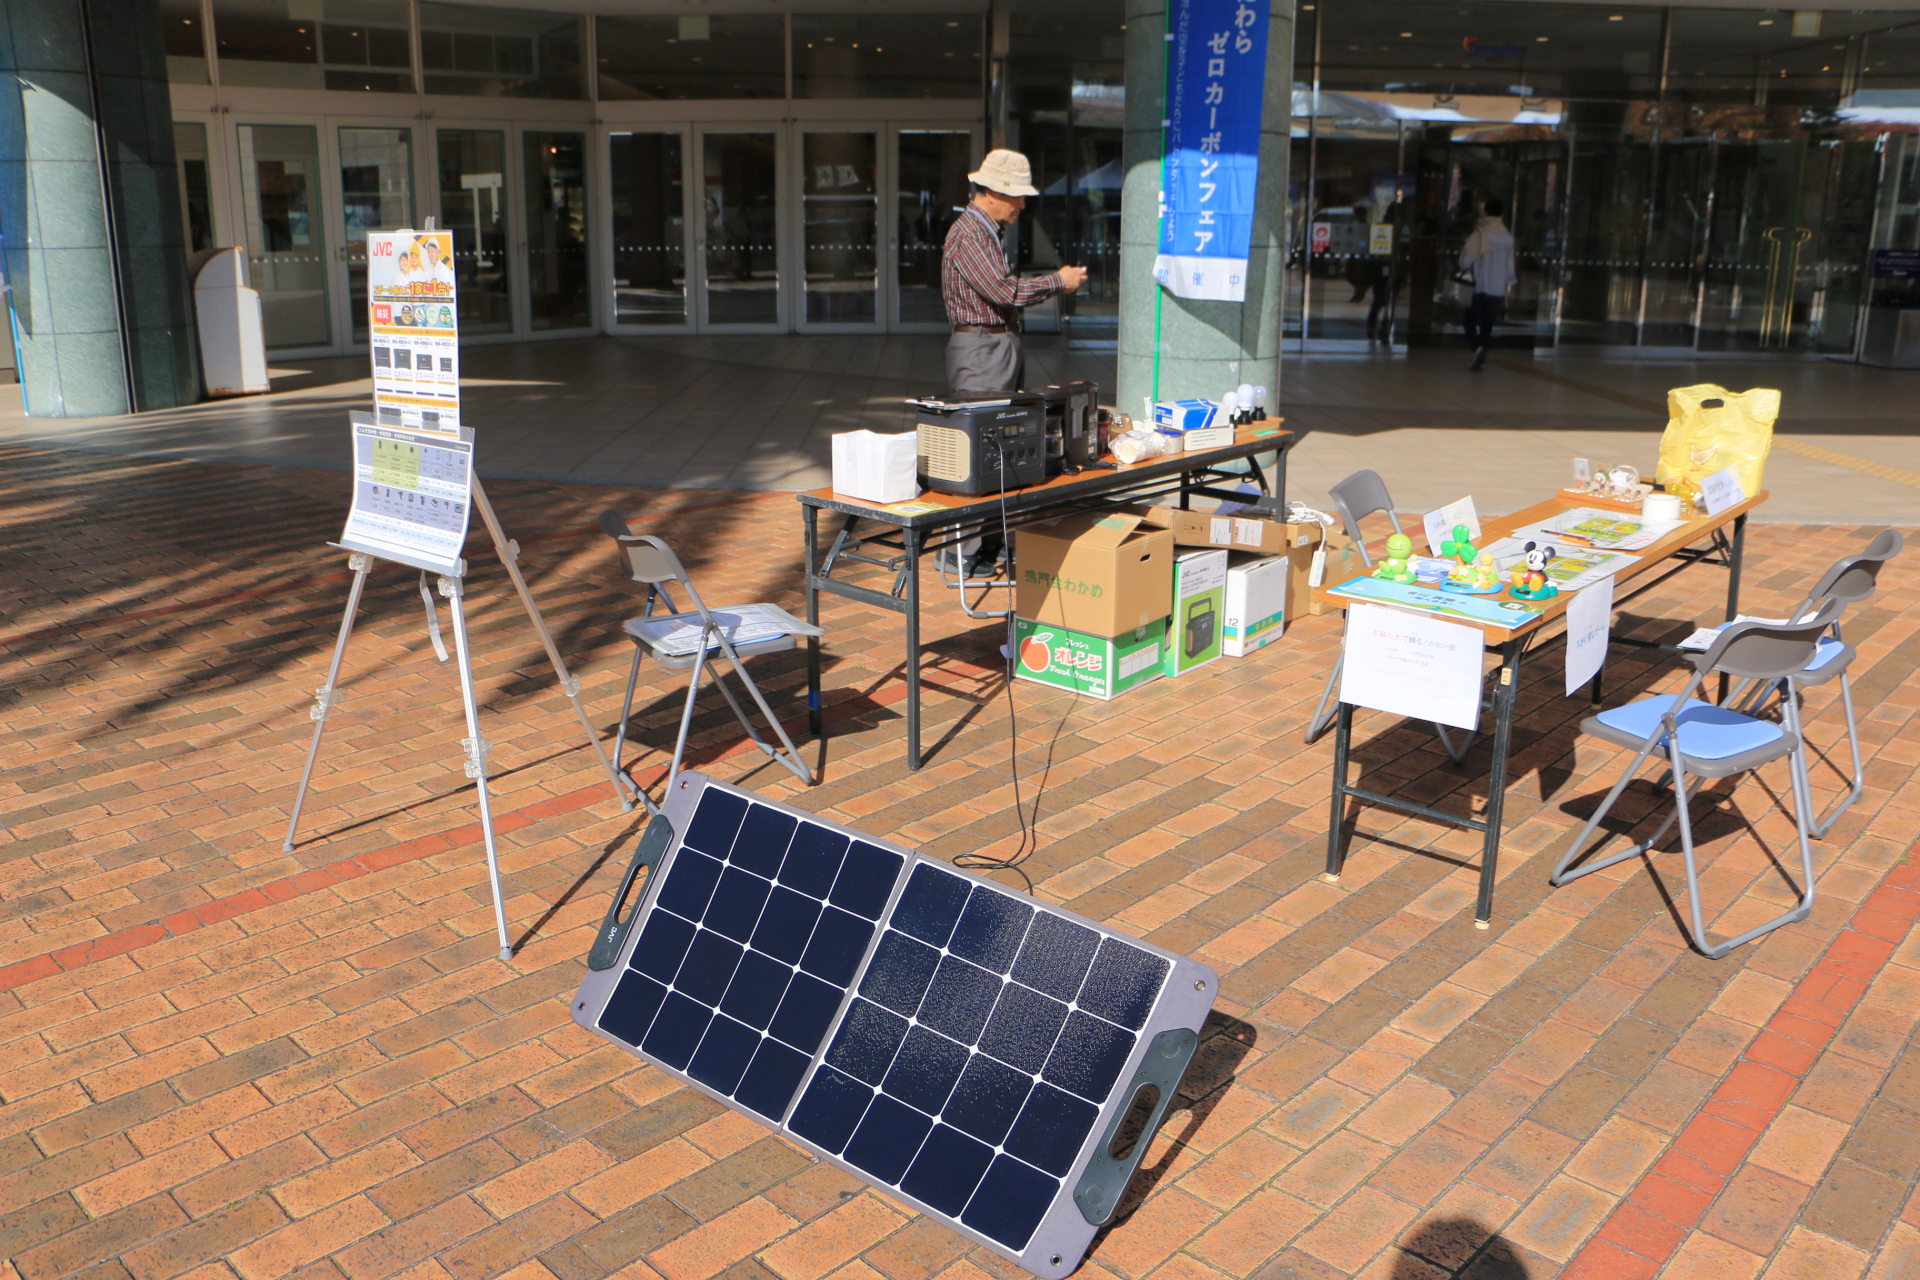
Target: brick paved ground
(220,1059)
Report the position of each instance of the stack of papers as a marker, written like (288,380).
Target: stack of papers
(1572,569)
(1602,530)
(1703,638)
(680,634)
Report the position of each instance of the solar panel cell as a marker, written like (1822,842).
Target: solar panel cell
(1050,1129)
(676,1031)
(899,972)
(736,903)
(1023,1028)
(630,1012)
(1010,1202)
(888,1138)
(785,925)
(866,880)
(1056,955)
(663,945)
(830,1109)
(838,942)
(764,838)
(723,1054)
(716,822)
(987,1099)
(1088,1058)
(1123,984)
(930,905)
(946,1171)
(689,885)
(959,999)
(990,930)
(709,966)
(754,994)
(868,1039)
(925,1071)
(805,1012)
(769,1083)
(813,860)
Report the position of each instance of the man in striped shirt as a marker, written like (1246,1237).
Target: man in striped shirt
(982,294)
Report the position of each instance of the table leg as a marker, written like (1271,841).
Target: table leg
(1337,814)
(1736,555)
(1505,693)
(811,539)
(911,539)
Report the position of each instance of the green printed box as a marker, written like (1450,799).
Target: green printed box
(1096,666)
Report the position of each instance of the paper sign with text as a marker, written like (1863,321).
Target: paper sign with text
(414,332)
(1439,524)
(1722,490)
(1413,666)
(1589,623)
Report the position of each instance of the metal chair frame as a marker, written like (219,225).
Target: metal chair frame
(653,564)
(1749,650)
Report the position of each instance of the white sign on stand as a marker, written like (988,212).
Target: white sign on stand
(1589,624)
(1722,490)
(1439,524)
(1412,665)
(412,495)
(413,327)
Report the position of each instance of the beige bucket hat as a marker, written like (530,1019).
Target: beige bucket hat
(1006,172)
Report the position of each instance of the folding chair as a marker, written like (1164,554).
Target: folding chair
(1354,499)
(1706,741)
(654,564)
(1851,580)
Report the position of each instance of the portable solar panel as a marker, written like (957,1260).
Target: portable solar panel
(970,1049)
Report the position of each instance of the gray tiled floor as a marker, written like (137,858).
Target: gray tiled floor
(757,413)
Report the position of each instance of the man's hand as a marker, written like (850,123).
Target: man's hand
(1073,277)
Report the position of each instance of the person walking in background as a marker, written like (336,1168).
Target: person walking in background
(1488,257)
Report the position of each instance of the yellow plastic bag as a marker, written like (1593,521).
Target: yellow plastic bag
(1709,429)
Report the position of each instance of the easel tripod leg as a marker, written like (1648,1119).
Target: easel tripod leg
(324,701)
(477,749)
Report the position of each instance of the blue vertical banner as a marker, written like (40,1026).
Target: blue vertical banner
(1216,87)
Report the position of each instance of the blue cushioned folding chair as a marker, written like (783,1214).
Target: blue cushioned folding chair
(1851,580)
(1703,741)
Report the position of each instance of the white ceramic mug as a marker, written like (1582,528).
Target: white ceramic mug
(1657,508)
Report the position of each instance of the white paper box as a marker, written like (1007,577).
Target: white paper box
(1256,605)
(876,468)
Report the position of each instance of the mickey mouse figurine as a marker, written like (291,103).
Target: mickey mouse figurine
(1530,581)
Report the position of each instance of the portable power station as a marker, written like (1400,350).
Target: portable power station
(963,444)
(1073,414)
(1200,618)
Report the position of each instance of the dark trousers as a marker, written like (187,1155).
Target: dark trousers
(1482,314)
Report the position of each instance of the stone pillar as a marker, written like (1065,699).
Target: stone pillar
(1205,348)
(90,209)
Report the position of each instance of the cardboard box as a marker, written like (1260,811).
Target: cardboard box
(1100,667)
(1256,602)
(1199,601)
(1101,575)
(1184,415)
(1241,531)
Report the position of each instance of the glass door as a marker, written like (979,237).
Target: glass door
(737,236)
(285,236)
(647,175)
(840,186)
(927,183)
(376,194)
(554,183)
(473,205)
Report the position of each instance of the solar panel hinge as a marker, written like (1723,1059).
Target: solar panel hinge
(1107,1174)
(654,842)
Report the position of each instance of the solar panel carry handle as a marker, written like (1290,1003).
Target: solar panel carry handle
(654,842)
(1106,1176)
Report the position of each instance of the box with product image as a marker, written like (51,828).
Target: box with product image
(1100,575)
(1199,599)
(1102,667)
(1256,602)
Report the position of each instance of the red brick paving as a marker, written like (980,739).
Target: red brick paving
(223,1060)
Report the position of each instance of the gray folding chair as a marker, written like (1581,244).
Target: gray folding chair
(654,564)
(1703,741)
(1851,580)
(1354,499)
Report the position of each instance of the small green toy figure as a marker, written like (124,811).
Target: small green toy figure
(1395,567)
(1459,546)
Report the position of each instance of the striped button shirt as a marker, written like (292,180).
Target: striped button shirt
(975,280)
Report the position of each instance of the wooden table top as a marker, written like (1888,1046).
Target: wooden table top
(1640,562)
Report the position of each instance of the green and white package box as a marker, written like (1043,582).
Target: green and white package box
(1097,666)
(1199,600)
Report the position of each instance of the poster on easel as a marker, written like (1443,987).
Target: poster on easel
(414,330)
(412,495)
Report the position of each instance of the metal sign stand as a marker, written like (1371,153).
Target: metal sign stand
(475,747)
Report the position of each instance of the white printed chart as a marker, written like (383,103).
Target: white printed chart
(411,496)
(413,322)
